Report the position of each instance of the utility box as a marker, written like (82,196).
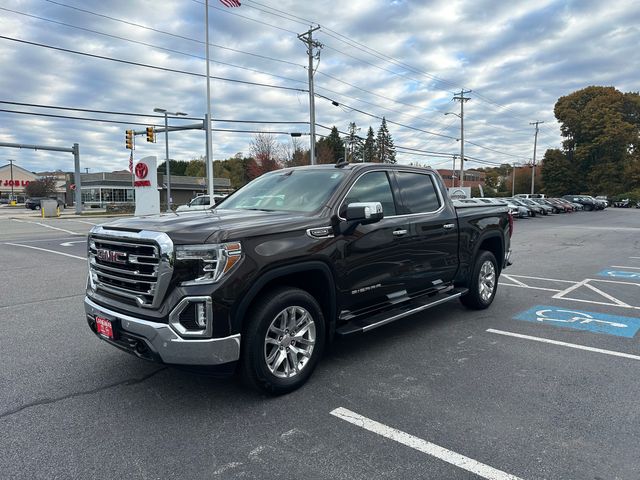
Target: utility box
(49,208)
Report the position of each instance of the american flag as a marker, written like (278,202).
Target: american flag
(131,162)
(230,3)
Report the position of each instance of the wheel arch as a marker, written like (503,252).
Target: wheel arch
(315,277)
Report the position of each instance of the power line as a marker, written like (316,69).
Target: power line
(109,112)
(158,47)
(175,35)
(146,65)
(229,12)
(103,120)
(377,54)
(235,50)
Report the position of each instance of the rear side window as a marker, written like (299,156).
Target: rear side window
(371,187)
(418,192)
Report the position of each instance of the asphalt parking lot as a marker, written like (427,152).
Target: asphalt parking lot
(541,385)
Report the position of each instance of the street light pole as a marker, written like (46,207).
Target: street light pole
(166,146)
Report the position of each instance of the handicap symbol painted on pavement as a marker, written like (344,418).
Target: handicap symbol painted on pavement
(634,276)
(579,320)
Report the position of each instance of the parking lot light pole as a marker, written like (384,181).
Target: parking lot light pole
(166,145)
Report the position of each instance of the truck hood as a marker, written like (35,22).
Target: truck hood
(214,226)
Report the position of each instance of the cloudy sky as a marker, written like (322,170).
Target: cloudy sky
(401,59)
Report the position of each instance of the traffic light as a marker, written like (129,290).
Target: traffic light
(129,139)
(151,135)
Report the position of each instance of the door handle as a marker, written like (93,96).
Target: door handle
(399,233)
(449,226)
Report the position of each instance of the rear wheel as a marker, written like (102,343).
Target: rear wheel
(283,341)
(484,282)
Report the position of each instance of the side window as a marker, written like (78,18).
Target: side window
(371,187)
(418,192)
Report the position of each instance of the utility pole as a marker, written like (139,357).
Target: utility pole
(535,143)
(453,172)
(307,38)
(513,180)
(461,98)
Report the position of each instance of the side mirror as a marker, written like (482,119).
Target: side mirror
(365,212)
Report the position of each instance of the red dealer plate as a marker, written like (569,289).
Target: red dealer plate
(104,327)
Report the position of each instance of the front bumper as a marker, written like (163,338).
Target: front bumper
(158,341)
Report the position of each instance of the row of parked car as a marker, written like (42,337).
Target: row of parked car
(522,207)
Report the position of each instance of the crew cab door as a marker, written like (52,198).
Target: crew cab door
(372,266)
(431,241)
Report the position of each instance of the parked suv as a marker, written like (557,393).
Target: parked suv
(588,203)
(201,202)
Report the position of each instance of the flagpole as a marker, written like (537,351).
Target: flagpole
(208,126)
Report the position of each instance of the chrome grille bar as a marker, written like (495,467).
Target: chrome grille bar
(132,264)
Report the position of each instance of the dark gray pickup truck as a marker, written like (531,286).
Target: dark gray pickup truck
(263,281)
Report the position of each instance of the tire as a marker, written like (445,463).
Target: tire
(484,282)
(267,337)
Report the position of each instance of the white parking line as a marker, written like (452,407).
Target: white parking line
(46,250)
(48,226)
(453,458)
(565,344)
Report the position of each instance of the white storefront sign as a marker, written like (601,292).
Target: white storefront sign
(146,187)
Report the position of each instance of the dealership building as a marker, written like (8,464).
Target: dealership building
(100,189)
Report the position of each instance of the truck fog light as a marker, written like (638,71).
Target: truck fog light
(201,315)
(193,317)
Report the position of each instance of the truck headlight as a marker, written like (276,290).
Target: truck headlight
(206,263)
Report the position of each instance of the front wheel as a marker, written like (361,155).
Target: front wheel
(484,282)
(283,341)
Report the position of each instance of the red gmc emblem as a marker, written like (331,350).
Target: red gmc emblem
(141,170)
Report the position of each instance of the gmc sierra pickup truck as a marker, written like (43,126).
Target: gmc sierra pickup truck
(263,281)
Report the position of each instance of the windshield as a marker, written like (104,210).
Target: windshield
(287,190)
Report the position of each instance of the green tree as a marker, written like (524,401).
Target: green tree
(369,147)
(330,149)
(559,174)
(385,149)
(601,126)
(196,168)
(176,167)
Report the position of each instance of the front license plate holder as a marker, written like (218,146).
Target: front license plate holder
(105,328)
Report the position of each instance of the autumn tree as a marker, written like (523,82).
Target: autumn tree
(43,187)
(264,149)
(292,153)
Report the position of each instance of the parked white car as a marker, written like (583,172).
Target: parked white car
(201,202)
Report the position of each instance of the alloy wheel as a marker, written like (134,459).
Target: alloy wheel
(487,281)
(289,342)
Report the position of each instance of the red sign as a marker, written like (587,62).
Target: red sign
(141,170)
(14,183)
(72,186)
(142,183)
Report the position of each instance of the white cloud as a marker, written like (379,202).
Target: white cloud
(517,57)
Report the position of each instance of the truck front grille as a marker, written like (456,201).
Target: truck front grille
(130,265)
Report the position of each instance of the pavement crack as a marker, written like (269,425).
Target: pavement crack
(47,401)
(43,300)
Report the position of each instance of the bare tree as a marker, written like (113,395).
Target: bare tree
(264,149)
